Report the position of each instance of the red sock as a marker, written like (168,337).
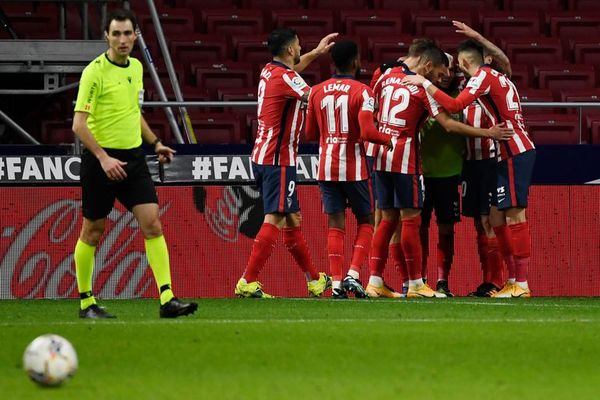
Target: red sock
(379,249)
(295,243)
(362,245)
(261,250)
(482,250)
(495,263)
(399,262)
(335,252)
(505,244)
(445,254)
(521,249)
(411,246)
(424,236)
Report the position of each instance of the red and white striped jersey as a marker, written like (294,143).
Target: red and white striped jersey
(280,116)
(499,99)
(478,148)
(333,109)
(402,111)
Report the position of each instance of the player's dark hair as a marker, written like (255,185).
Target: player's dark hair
(419,45)
(279,39)
(471,47)
(120,15)
(435,55)
(343,53)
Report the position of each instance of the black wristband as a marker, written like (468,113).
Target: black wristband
(156,141)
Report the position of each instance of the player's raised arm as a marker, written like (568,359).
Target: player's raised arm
(449,103)
(491,49)
(497,132)
(323,48)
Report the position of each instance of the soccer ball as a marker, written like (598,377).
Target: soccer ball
(50,360)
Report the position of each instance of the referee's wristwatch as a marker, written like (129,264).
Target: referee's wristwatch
(156,141)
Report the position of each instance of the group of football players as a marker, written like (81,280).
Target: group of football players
(430,128)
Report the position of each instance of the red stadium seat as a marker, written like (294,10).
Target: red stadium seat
(250,48)
(227,75)
(57,132)
(199,6)
(468,5)
(270,4)
(553,128)
(594,126)
(233,22)
(584,96)
(438,24)
(313,74)
(32,26)
(364,23)
(502,24)
(384,48)
(200,48)
(305,22)
(565,76)
(173,22)
(534,51)
(405,5)
(366,71)
(239,94)
(587,52)
(338,4)
(567,25)
(584,5)
(533,5)
(537,95)
(217,128)
(160,127)
(521,76)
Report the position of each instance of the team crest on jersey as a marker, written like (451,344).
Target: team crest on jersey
(298,82)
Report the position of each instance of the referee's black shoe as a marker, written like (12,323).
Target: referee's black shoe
(95,312)
(175,308)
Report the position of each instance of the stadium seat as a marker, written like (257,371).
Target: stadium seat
(384,48)
(438,24)
(534,51)
(200,48)
(537,95)
(404,5)
(533,5)
(521,76)
(594,126)
(199,6)
(226,75)
(468,5)
(217,128)
(502,24)
(313,74)
(29,25)
(586,51)
(584,5)
(565,76)
(305,22)
(232,22)
(239,94)
(270,4)
(553,128)
(57,132)
(585,96)
(371,23)
(174,22)
(366,71)
(250,48)
(338,4)
(567,25)
(160,126)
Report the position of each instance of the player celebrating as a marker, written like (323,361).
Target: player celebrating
(500,101)
(341,108)
(281,94)
(398,179)
(108,122)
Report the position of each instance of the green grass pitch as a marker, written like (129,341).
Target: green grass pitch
(541,348)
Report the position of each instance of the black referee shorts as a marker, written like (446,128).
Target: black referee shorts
(98,193)
(443,196)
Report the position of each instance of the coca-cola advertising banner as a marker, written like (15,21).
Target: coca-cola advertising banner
(228,169)
(210,231)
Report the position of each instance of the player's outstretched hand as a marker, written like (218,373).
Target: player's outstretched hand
(165,153)
(113,168)
(326,44)
(466,30)
(390,146)
(416,80)
(501,132)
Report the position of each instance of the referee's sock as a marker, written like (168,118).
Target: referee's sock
(158,257)
(84,271)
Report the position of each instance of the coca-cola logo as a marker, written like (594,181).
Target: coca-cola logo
(38,263)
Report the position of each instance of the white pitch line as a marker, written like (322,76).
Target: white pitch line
(299,321)
(493,303)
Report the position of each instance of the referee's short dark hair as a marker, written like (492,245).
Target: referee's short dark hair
(343,53)
(279,39)
(120,15)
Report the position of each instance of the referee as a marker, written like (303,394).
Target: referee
(109,123)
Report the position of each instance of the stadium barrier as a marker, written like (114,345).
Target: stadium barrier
(211,214)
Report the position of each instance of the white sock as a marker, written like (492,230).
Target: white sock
(354,274)
(523,285)
(415,283)
(336,284)
(376,281)
(512,281)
